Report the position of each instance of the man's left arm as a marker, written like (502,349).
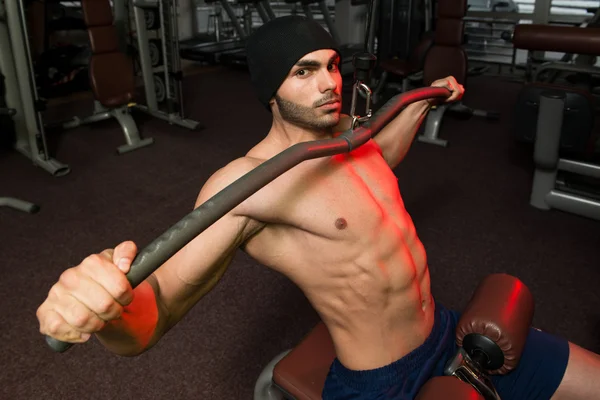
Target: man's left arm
(396,137)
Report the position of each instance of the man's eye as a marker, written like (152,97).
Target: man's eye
(333,67)
(301,72)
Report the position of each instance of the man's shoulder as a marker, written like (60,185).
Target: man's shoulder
(241,165)
(237,168)
(253,208)
(231,172)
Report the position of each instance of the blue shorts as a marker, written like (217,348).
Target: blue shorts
(540,371)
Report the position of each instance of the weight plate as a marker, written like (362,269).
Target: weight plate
(151,19)
(159,88)
(155,56)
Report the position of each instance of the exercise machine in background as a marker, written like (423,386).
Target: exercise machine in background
(558,119)
(6,136)
(112,77)
(560,183)
(157,57)
(405,32)
(447,57)
(161,70)
(367,44)
(401,25)
(430,55)
(231,51)
(21,92)
(210,52)
(237,57)
(579,65)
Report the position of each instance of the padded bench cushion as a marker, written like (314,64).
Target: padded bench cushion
(112,80)
(97,13)
(302,372)
(444,61)
(452,9)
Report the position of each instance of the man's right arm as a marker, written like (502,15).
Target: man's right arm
(136,320)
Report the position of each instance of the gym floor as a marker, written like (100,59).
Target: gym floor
(469,203)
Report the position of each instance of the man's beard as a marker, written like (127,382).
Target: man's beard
(307,117)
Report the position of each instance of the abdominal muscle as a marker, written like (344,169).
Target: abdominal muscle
(376,309)
(373,295)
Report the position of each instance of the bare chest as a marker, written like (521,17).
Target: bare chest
(335,197)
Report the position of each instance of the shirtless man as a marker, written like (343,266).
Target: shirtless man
(336,226)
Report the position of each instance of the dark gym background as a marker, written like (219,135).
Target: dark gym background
(469,203)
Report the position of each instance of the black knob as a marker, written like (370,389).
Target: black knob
(484,351)
(507,36)
(364,64)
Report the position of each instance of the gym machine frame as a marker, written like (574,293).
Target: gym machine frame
(121,112)
(100,113)
(21,91)
(122,115)
(13,100)
(171,61)
(577,63)
(13,202)
(19,205)
(545,193)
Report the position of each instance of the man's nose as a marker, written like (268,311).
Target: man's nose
(327,81)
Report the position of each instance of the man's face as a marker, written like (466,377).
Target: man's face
(310,96)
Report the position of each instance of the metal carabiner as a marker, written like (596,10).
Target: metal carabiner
(360,86)
(364,63)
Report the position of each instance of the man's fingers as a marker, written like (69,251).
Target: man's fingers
(114,286)
(54,325)
(107,254)
(101,291)
(453,85)
(456,88)
(78,315)
(460,91)
(124,254)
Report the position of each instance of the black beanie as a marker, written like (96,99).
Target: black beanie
(274,48)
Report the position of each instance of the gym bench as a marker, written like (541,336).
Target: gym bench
(439,54)
(111,76)
(490,335)
(560,119)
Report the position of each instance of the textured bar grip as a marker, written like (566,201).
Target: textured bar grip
(57,345)
(176,237)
